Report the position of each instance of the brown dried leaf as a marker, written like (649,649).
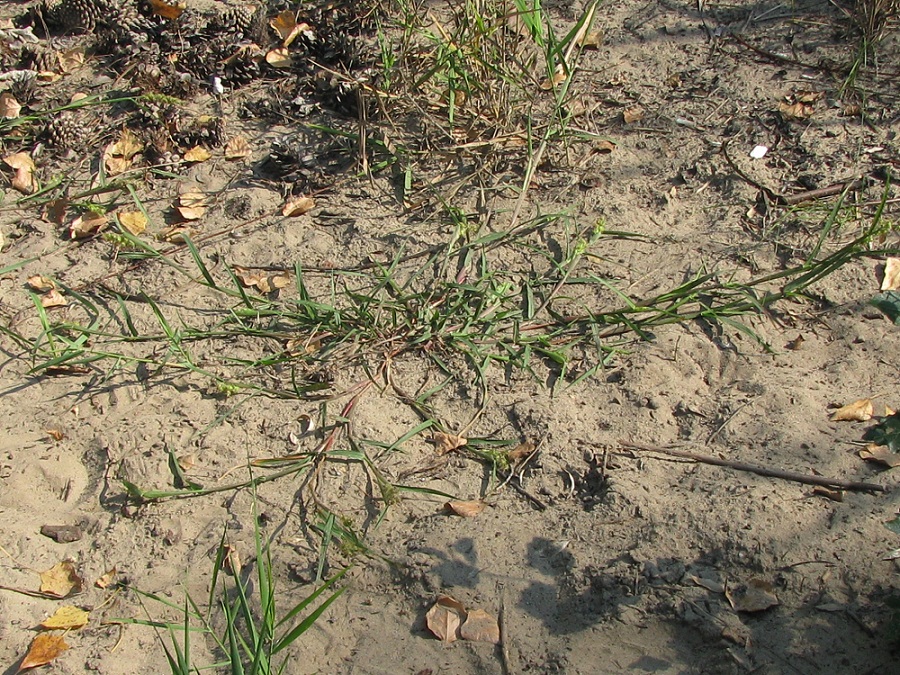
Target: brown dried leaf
(20,160)
(858,411)
(174,235)
(466,509)
(756,596)
(44,649)
(480,627)
(287,28)
(118,156)
(633,114)
(9,106)
(279,58)
(61,580)
(133,221)
(232,561)
(795,111)
(40,284)
(273,282)
(603,147)
(891,280)
(237,147)
(66,617)
(298,206)
(70,60)
(52,299)
(55,211)
(191,205)
(167,9)
(520,452)
(445,617)
(796,343)
(108,578)
(880,454)
(86,225)
(834,495)
(591,40)
(197,154)
(55,433)
(559,76)
(48,76)
(809,96)
(24,181)
(447,442)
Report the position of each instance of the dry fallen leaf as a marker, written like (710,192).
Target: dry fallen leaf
(559,76)
(24,166)
(197,154)
(285,24)
(834,495)
(298,206)
(55,211)
(891,280)
(633,114)
(167,9)
(40,284)
(520,452)
(232,561)
(756,596)
(480,626)
(445,617)
(796,343)
(858,411)
(53,298)
(466,509)
(263,280)
(118,156)
(9,106)
(880,454)
(591,40)
(107,579)
(86,225)
(191,205)
(174,235)
(237,147)
(61,580)
(133,221)
(71,59)
(55,433)
(447,442)
(44,649)
(603,147)
(279,58)
(795,111)
(66,617)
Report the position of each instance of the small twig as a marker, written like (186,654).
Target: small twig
(760,470)
(819,193)
(504,633)
(33,594)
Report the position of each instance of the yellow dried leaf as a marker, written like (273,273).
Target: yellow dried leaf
(888,411)
(466,509)
(237,148)
(166,9)
(44,649)
(53,299)
(480,627)
(447,442)
(633,114)
(61,580)
(77,96)
(9,106)
(191,205)
(273,282)
(279,58)
(48,76)
(86,225)
(445,617)
(858,411)
(197,154)
(796,343)
(40,284)
(24,181)
(107,579)
(66,617)
(891,280)
(232,560)
(133,221)
(70,59)
(298,206)
(55,433)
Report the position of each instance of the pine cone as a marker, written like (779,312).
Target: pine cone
(74,15)
(64,132)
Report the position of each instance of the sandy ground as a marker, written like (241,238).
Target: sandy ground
(622,560)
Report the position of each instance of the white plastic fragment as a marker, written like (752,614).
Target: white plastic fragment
(759,152)
(217,87)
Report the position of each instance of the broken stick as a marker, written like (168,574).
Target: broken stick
(760,470)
